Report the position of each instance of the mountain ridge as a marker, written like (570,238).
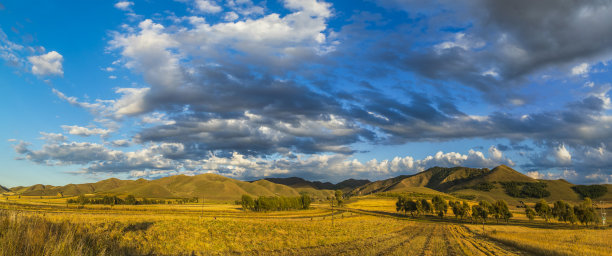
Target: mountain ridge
(464,182)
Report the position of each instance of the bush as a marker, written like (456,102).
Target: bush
(268,203)
(590,191)
(485,186)
(114,200)
(526,189)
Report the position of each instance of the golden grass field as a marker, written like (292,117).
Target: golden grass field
(364,226)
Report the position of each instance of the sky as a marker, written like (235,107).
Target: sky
(323,90)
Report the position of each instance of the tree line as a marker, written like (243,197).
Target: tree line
(499,210)
(584,212)
(129,200)
(271,203)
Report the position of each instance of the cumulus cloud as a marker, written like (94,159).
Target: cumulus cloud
(47,64)
(170,158)
(251,84)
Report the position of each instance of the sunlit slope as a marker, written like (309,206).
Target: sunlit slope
(207,186)
(462,181)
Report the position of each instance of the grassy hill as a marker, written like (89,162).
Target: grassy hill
(4,189)
(472,183)
(207,186)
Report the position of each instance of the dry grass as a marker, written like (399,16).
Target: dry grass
(34,235)
(32,227)
(551,241)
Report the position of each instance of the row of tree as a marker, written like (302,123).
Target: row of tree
(129,200)
(499,210)
(268,203)
(584,212)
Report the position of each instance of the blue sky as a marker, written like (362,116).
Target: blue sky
(325,90)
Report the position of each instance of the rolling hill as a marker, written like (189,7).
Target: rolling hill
(207,186)
(4,189)
(461,182)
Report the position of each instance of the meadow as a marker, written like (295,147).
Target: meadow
(363,226)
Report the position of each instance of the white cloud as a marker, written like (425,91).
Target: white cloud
(120,143)
(47,64)
(580,70)
(57,137)
(566,174)
(562,155)
(124,5)
(84,131)
(535,175)
(208,6)
(112,77)
(464,42)
(311,7)
(230,16)
(495,153)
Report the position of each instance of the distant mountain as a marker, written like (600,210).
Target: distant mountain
(296,182)
(207,186)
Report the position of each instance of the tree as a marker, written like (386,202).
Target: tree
(131,200)
(466,209)
(305,199)
(338,197)
(530,213)
(440,206)
(585,212)
(479,212)
(459,210)
(399,205)
(419,206)
(563,211)
(501,211)
(427,207)
(543,209)
(410,206)
(247,202)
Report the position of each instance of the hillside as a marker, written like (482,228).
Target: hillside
(3,189)
(472,183)
(72,189)
(299,183)
(207,186)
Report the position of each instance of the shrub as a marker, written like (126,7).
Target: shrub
(590,191)
(526,189)
(485,186)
